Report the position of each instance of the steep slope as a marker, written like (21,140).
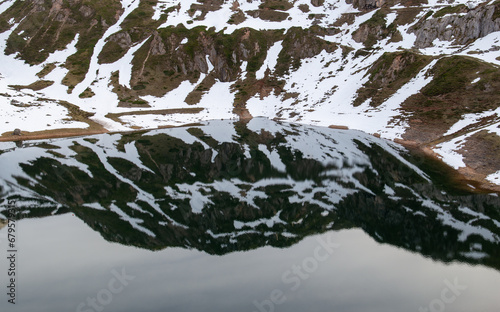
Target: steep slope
(420,71)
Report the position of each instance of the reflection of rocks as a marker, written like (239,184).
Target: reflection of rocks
(271,187)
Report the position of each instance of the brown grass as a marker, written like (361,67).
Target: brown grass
(194,110)
(50,134)
(35,86)
(46,70)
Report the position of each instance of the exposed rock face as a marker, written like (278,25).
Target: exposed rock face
(122,39)
(399,63)
(366,4)
(86,11)
(38,6)
(157,46)
(475,24)
(305,45)
(366,30)
(317,3)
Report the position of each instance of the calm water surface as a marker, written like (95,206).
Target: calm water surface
(226,216)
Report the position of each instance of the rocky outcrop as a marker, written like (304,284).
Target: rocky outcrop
(374,30)
(317,3)
(122,39)
(86,11)
(460,29)
(369,33)
(157,46)
(366,4)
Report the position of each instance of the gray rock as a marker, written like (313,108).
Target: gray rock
(201,63)
(461,29)
(17,131)
(317,3)
(123,39)
(86,11)
(366,4)
(157,45)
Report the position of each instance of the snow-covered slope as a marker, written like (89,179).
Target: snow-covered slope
(383,67)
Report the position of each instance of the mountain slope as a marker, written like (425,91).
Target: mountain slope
(422,71)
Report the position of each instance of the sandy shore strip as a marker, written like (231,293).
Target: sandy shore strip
(50,134)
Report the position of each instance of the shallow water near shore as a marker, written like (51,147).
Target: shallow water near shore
(230,216)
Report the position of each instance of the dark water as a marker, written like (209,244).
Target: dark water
(227,216)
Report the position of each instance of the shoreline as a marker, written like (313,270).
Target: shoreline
(466,177)
(50,134)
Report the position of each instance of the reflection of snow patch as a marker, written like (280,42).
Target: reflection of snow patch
(274,157)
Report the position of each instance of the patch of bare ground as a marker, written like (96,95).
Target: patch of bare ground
(450,95)
(50,134)
(237,18)
(268,15)
(346,18)
(35,86)
(242,113)
(407,15)
(338,127)
(71,80)
(461,85)
(46,70)
(481,153)
(423,132)
(246,89)
(87,93)
(194,97)
(127,97)
(204,7)
(388,74)
(163,112)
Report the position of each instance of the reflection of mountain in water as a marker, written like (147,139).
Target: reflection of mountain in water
(225,186)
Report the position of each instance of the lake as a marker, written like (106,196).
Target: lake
(235,216)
